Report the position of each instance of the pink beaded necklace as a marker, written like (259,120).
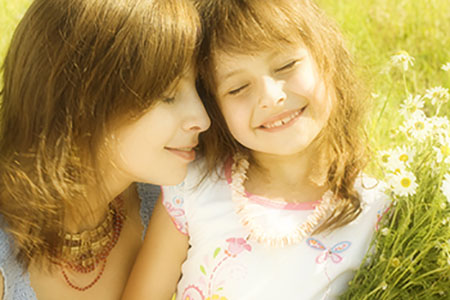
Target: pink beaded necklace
(256,232)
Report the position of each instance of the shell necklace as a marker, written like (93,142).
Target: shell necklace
(239,170)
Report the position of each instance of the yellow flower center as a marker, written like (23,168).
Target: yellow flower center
(412,109)
(445,150)
(419,125)
(405,182)
(396,262)
(385,158)
(404,157)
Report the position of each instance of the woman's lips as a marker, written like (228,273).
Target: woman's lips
(186,153)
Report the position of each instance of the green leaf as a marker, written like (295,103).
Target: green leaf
(202,268)
(216,252)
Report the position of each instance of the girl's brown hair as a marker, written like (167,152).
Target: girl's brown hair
(249,26)
(74,68)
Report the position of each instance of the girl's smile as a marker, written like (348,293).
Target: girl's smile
(282,121)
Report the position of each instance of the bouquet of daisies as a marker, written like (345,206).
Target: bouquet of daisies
(410,255)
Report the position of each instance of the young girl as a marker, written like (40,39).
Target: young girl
(97,94)
(284,211)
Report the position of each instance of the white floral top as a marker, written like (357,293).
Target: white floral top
(222,264)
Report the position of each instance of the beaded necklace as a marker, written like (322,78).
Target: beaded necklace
(239,170)
(84,252)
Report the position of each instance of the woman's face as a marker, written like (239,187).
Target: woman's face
(158,146)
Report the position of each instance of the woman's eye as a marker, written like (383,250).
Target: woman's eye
(168,99)
(288,66)
(237,90)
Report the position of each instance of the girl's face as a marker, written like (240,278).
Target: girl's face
(272,102)
(158,146)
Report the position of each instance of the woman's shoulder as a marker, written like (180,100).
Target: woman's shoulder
(148,195)
(16,283)
(6,243)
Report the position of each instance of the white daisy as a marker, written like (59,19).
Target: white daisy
(445,188)
(417,127)
(403,155)
(437,94)
(389,160)
(402,59)
(446,67)
(411,104)
(403,184)
(385,156)
(441,125)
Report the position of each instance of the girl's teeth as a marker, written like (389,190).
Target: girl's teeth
(282,121)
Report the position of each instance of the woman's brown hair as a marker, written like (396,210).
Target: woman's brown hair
(249,26)
(74,68)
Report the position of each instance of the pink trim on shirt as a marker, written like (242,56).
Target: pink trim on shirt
(172,218)
(309,205)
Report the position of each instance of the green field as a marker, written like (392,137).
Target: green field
(378,29)
(375,30)
(10,13)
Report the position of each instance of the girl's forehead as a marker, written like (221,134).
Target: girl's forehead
(224,57)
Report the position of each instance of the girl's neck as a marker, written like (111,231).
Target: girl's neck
(284,178)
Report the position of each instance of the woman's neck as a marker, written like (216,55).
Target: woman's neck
(88,216)
(284,178)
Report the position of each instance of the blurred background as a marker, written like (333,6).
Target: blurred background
(375,30)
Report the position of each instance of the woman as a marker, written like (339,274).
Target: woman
(97,94)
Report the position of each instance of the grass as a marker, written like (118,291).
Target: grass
(376,30)
(10,14)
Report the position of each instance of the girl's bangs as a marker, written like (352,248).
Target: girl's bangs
(257,28)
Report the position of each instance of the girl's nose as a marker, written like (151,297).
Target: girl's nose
(272,93)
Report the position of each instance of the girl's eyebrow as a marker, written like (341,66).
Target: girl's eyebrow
(230,74)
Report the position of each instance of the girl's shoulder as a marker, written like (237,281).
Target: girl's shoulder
(198,177)
(190,195)
(372,192)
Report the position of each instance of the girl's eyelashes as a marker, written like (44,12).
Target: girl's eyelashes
(238,90)
(287,66)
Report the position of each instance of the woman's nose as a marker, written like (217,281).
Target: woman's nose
(197,118)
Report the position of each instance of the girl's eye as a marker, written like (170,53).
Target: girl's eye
(288,66)
(238,90)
